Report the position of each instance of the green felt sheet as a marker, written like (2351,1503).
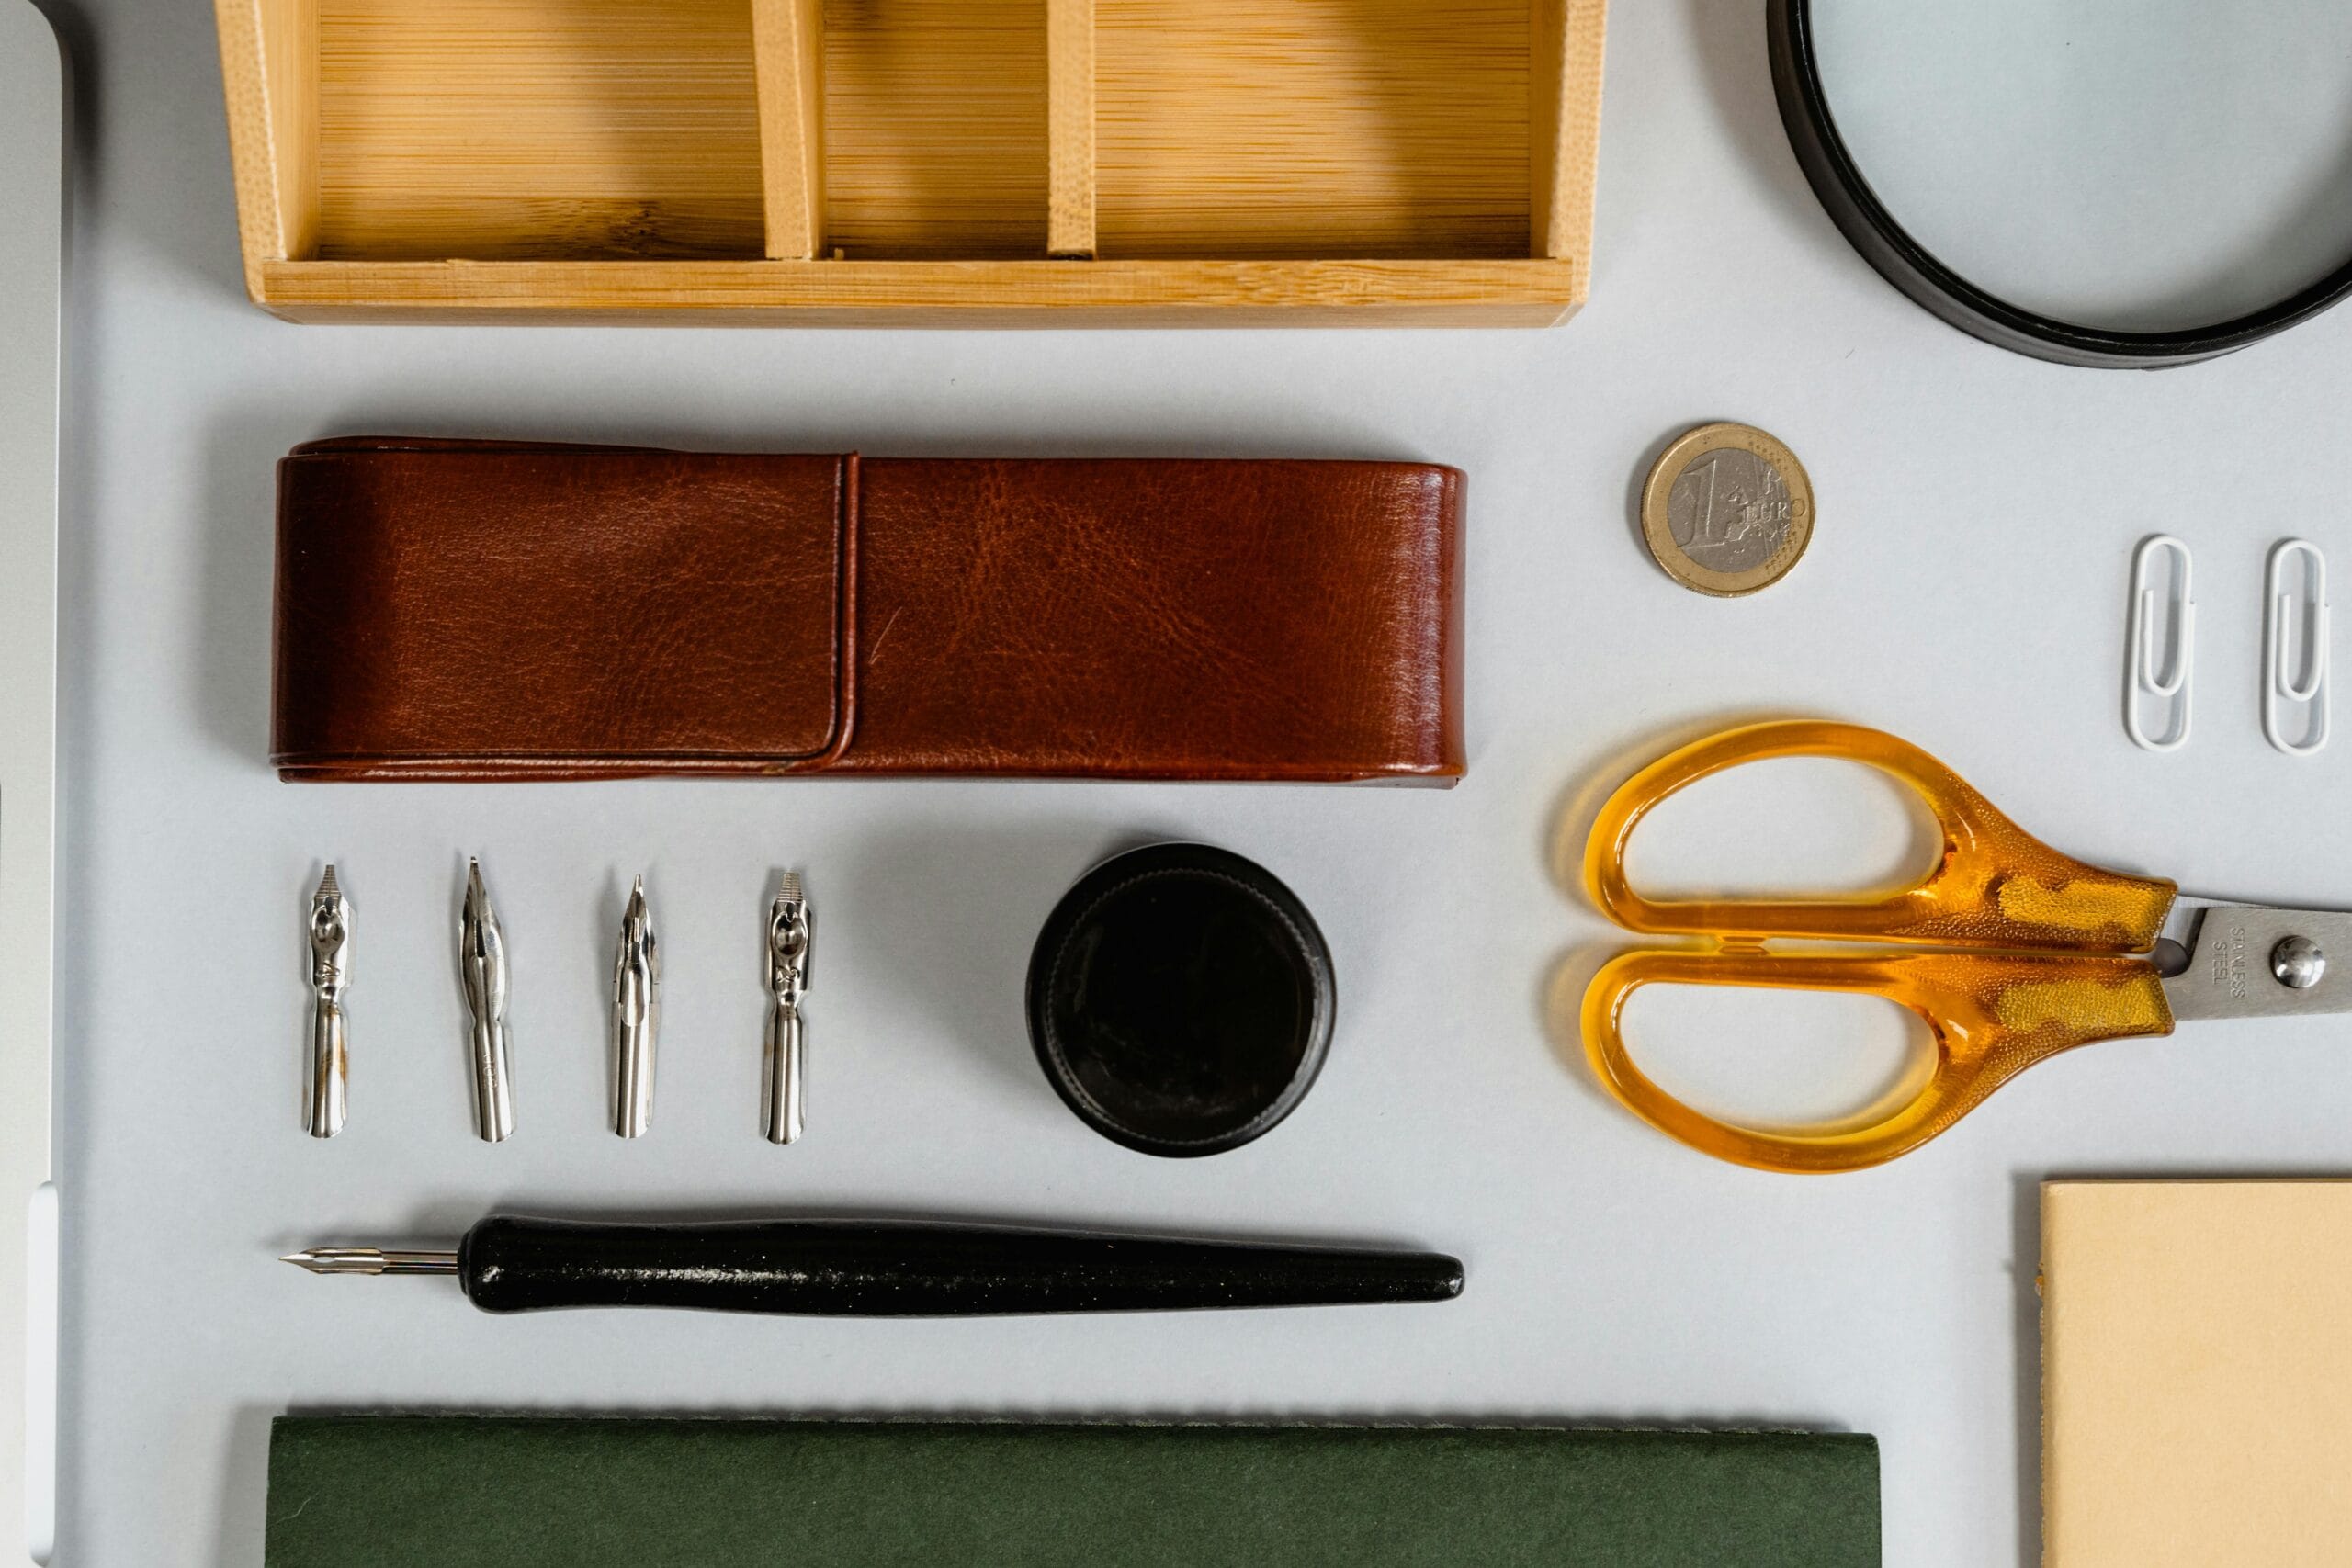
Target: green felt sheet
(457,1491)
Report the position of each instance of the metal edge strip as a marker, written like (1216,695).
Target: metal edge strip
(32,247)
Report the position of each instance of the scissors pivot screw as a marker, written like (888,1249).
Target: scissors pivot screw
(2298,962)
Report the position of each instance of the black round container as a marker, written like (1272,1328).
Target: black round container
(1180,999)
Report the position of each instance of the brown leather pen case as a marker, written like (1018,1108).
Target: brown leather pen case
(483,610)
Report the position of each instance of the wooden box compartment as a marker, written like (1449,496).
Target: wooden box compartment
(933,129)
(924,162)
(1387,128)
(513,130)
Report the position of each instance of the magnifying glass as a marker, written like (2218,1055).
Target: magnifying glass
(2123,183)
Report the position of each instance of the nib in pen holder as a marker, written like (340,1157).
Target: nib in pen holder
(637,1016)
(786,1055)
(330,936)
(481,963)
(371,1260)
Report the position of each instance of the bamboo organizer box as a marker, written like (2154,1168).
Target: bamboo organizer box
(916,161)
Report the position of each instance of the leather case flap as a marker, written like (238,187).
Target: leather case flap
(483,609)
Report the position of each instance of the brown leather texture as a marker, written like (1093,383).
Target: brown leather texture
(487,610)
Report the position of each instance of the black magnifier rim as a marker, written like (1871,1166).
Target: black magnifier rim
(1914,269)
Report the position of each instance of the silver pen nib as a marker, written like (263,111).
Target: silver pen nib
(785,1066)
(329,960)
(371,1260)
(637,1017)
(481,963)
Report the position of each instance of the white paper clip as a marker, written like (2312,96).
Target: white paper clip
(2167,680)
(2286,677)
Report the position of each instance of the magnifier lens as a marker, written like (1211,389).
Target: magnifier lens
(2132,166)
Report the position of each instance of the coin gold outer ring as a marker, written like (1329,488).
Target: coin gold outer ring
(1688,448)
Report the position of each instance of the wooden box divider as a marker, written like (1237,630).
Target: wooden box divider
(787,67)
(1070,129)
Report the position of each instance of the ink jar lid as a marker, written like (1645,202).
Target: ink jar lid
(1180,999)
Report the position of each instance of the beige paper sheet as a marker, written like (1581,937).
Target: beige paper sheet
(2197,1374)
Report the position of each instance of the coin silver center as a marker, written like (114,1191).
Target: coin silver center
(1729,511)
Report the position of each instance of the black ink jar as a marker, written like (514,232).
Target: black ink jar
(1180,999)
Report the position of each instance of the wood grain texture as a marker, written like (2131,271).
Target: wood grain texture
(269,78)
(1312,128)
(788,42)
(1332,160)
(502,128)
(1565,149)
(290,56)
(253,149)
(934,294)
(935,127)
(1070,91)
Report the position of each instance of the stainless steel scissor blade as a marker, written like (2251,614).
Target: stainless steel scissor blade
(2254,960)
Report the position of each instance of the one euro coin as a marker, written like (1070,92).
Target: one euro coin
(1728,510)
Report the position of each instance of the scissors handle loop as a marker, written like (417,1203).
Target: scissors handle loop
(1991,1016)
(1994,886)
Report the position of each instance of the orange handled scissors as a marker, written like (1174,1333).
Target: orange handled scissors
(2016,952)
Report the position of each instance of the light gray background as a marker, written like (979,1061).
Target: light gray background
(1965,588)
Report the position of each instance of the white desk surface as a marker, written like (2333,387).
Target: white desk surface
(1965,588)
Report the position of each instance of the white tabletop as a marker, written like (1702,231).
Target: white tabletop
(1965,588)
